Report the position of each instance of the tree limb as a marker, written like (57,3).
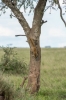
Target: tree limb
(39,12)
(61,13)
(18,15)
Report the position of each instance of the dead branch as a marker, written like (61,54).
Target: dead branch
(20,35)
(25,78)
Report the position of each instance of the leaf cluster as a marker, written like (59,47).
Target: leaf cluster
(23,5)
(20,4)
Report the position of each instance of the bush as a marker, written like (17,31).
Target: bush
(6,90)
(11,64)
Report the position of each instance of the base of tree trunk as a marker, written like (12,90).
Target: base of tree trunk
(34,71)
(34,85)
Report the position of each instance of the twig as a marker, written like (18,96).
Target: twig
(49,6)
(2,8)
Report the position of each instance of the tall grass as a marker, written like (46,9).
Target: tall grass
(53,76)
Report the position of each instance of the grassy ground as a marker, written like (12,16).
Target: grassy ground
(53,75)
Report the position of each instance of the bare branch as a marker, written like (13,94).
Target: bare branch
(61,13)
(52,3)
(25,78)
(2,8)
(20,35)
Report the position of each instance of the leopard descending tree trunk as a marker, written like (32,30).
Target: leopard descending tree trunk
(32,35)
(34,68)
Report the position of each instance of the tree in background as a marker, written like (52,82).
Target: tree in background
(32,34)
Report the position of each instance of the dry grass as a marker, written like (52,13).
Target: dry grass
(53,75)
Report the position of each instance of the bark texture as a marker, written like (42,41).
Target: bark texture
(34,70)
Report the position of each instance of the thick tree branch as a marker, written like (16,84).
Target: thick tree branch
(39,11)
(38,14)
(18,15)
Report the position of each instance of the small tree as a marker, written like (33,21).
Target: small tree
(32,34)
(11,64)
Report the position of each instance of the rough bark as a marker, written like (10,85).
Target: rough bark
(34,69)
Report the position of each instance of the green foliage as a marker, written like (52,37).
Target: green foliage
(11,64)
(20,4)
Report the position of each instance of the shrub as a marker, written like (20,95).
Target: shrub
(6,90)
(11,64)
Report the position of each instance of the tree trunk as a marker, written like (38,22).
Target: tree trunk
(34,69)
